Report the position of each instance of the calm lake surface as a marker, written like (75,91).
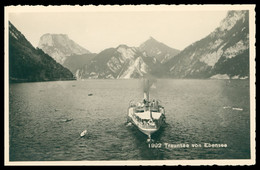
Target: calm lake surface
(46,119)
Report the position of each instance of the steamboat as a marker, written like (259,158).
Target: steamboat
(148,115)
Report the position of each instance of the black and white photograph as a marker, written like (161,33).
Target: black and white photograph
(130,85)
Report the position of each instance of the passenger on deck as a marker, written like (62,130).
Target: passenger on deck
(153,103)
(145,101)
(156,104)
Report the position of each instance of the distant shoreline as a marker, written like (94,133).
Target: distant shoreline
(16,80)
(32,81)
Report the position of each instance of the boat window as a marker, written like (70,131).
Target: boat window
(140,109)
(154,109)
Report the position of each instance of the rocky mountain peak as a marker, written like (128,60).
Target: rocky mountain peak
(14,32)
(151,39)
(50,39)
(224,51)
(126,52)
(160,51)
(59,46)
(150,42)
(231,19)
(122,46)
(29,64)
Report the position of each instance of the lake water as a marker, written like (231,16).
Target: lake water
(46,119)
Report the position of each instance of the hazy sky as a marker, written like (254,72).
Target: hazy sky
(97,30)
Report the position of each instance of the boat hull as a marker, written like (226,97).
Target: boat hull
(145,130)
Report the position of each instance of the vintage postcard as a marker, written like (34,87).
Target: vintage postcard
(130,85)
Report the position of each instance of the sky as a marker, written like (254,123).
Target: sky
(97,30)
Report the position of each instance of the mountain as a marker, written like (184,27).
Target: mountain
(29,64)
(156,49)
(122,62)
(74,62)
(126,62)
(60,46)
(224,52)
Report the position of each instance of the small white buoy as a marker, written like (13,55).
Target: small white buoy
(128,124)
(148,140)
(83,133)
(226,107)
(66,120)
(236,108)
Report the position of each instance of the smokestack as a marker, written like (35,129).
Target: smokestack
(146,96)
(146,89)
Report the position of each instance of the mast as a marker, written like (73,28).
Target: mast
(146,96)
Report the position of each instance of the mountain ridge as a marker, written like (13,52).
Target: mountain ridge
(27,63)
(59,46)
(121,62)
(223,51)
(159,50)
(205,57)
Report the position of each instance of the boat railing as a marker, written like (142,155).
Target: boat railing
(145,123)
(153,109)
(139,110)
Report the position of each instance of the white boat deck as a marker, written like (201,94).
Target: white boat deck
(146,115)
